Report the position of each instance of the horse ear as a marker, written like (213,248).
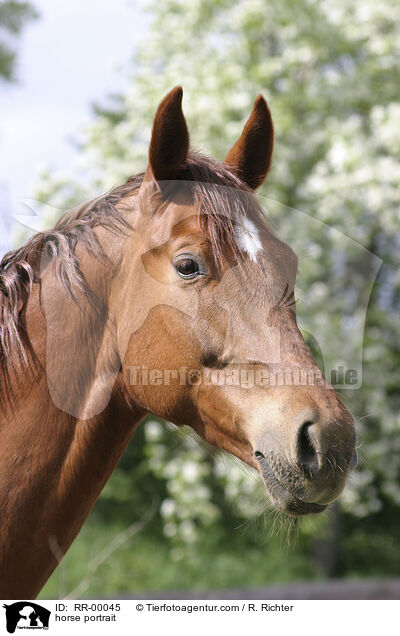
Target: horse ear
(251,155)
(170,137)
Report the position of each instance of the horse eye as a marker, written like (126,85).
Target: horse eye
(188,267)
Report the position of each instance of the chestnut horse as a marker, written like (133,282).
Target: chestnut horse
(162,296)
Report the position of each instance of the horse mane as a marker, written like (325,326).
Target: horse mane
(210,184)
(20,268)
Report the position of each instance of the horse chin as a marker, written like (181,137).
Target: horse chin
(282,498)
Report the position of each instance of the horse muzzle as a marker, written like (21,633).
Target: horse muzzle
(306,477)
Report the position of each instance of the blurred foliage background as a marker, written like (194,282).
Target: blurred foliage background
(14,15)
(330,72)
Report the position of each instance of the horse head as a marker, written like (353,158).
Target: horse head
(206,317)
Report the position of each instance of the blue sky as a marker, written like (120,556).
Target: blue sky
(74,54)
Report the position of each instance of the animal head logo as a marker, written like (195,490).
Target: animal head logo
(26,615)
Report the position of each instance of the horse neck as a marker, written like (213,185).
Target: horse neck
(52,471)
(53,462)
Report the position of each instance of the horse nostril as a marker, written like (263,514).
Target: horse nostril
(306,452)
